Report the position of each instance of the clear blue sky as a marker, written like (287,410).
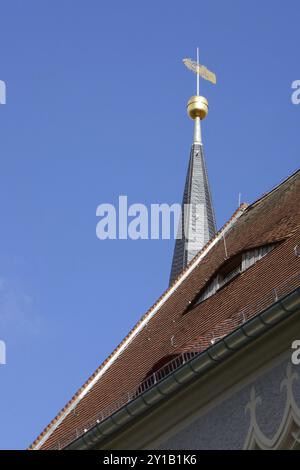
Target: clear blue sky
(96,107)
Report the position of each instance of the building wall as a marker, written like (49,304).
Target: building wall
(226,425)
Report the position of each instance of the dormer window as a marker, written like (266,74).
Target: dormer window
(235,266)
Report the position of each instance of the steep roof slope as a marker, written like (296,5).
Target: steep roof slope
(170,325)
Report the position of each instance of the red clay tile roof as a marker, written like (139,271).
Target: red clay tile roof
(164,330)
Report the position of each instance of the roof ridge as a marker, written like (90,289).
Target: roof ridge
(273,189)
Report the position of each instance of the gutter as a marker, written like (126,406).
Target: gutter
(203,362)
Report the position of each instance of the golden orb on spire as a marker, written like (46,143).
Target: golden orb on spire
(197,107)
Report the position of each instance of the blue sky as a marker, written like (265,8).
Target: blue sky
(96,108)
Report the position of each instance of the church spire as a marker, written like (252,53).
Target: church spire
(197,225)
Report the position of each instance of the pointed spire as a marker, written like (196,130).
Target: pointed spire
(198,218)
(197,225)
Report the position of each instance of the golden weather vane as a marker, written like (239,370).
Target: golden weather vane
(200,71)
(197,106)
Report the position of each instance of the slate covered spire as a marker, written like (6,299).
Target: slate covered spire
(200,224)
(197,225)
